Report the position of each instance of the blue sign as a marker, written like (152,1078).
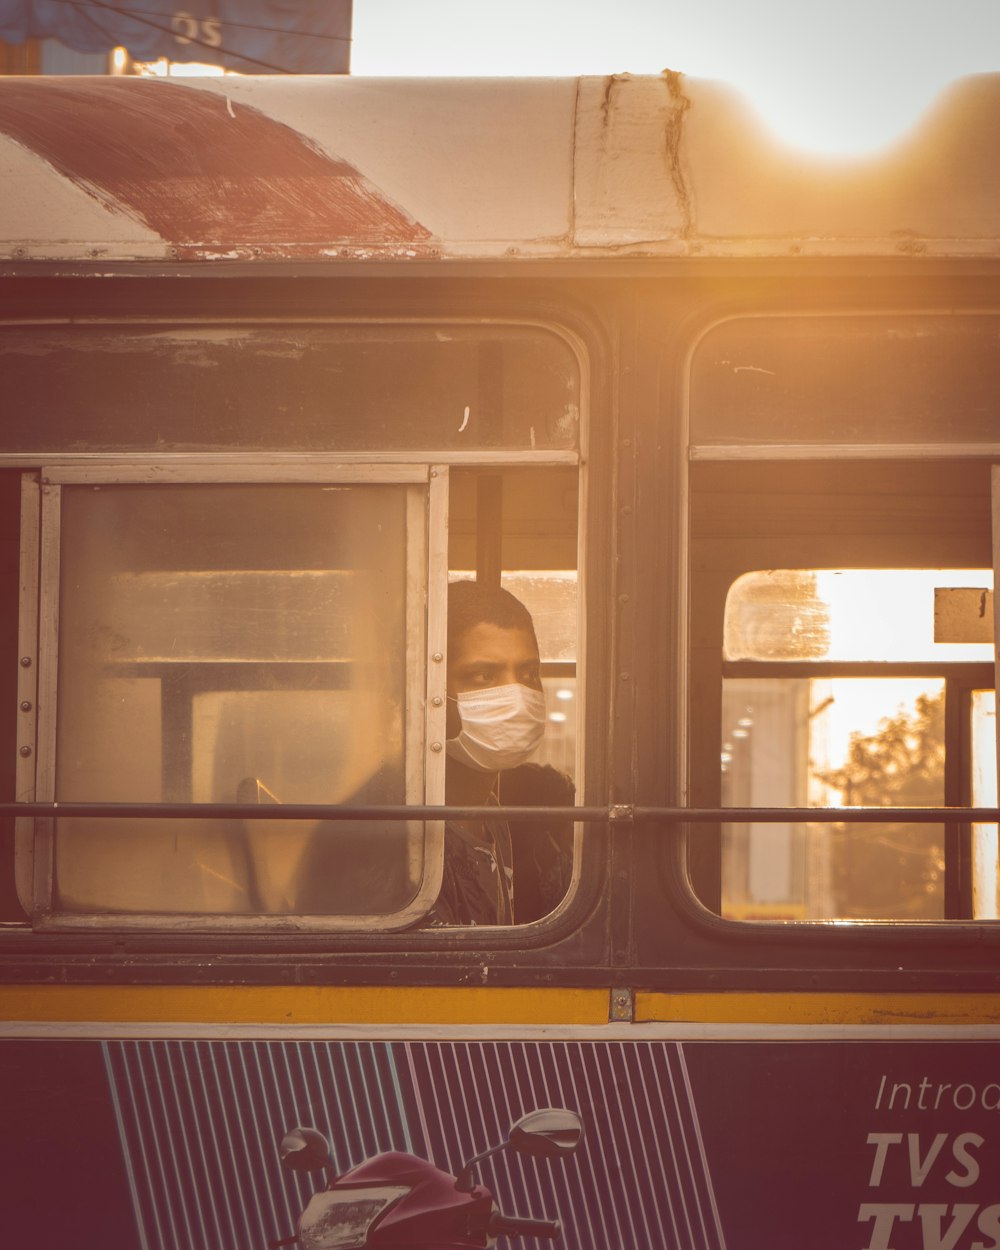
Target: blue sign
(252,36)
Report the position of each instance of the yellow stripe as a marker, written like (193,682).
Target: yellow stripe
(320,1005)
(272,1004)
(740,1008)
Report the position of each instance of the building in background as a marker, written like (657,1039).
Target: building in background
(241,36)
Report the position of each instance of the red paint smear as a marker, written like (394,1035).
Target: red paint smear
(175,159)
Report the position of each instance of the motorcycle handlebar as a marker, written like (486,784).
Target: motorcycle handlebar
(515,1226)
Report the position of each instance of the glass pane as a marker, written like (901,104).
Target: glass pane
(845,615)
(550,595)
(299,388)
(851,379)
(839,742)
(233,644)
(985,853)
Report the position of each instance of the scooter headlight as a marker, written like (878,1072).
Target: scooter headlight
(341,1219)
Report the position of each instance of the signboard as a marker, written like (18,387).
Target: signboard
(827,1144)
(252,36)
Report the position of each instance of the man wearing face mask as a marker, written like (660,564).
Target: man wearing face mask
(496,719)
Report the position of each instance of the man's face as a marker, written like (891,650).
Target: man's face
(486,656)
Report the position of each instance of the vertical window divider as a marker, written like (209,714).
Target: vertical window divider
(49,514)
(26,765)
(437,632)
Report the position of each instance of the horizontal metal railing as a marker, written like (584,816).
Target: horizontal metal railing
(616,814)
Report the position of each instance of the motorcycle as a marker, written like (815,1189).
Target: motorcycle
(396,1201)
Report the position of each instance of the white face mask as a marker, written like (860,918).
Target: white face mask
(501,727)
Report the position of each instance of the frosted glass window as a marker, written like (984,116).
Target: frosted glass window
(233,643)
(846,615)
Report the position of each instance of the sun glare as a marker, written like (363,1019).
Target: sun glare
(843,81)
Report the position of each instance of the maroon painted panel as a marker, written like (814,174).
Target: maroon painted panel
(205,173)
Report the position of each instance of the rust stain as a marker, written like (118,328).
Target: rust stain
(674,131)
(205,176)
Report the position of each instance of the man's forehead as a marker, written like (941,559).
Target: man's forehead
(485,641)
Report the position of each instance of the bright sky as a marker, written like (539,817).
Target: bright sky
(837,76)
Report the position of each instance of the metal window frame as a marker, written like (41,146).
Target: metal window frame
(425,625)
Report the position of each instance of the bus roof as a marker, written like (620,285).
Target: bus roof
(341,168)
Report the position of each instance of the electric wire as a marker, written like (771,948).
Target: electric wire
(217,49)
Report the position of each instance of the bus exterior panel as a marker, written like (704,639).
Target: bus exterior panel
(281,360)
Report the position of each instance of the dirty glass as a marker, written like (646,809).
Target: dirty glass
(551,598)
(847,379)
(303,387)
(232,644)
(880,615)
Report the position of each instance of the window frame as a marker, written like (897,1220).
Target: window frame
(696,865)
(426,578)
(564,327)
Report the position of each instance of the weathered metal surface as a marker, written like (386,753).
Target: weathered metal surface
(340,168)
(197,171)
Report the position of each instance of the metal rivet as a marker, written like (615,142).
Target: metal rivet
(437,657)
(25,751)
(26,661)
(437,701)
(435,746)
(25,705)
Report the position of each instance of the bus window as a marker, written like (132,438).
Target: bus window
(514,529)
(835,694)
(308,387)
(227,644)
(879,378)
(269,631)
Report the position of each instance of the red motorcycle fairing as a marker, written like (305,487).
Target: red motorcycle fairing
(430,1215)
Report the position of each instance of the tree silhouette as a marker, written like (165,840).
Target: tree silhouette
(891,870)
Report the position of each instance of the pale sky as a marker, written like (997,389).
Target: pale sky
(842,75)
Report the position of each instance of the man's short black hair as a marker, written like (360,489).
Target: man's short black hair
(472,603)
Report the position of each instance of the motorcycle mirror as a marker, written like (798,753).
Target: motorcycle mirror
(548,1132)
(305,1150)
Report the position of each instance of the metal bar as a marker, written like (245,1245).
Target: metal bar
(144,469)
(817,815)
(621,815)
(843,451)
(977,672)
(296,811)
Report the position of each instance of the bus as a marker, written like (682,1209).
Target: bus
(283,359)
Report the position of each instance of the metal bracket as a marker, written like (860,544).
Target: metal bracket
(621,813)
(622,1007)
